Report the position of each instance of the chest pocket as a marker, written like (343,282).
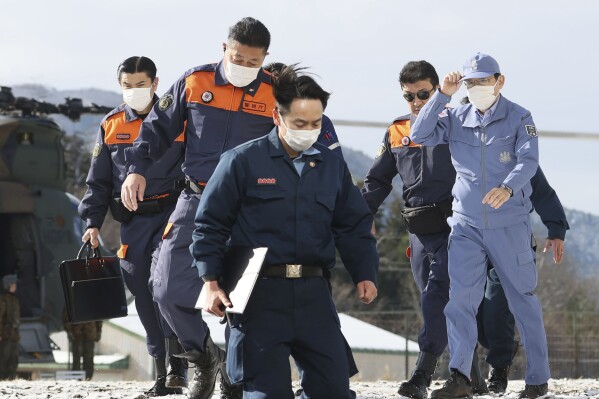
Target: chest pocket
(409,164)
(500,155)
(327,201)
(263,203)
(466,150)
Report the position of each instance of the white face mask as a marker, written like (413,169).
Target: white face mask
(482,97)
(138,98)
(299,140)
(240,76)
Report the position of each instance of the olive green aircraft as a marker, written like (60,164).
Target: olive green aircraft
(39,224)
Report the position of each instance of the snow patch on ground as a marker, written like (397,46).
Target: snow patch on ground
(565,388)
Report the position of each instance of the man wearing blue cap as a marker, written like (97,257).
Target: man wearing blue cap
(494,148)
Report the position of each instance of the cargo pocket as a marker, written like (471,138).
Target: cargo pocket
(527,272)
(235,351)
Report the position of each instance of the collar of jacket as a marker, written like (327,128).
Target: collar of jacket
(471,119)
(251,89)
(276,149)
(131,114)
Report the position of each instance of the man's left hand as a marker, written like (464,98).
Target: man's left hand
(216,299)
(558,248)
(496,197)
(367,291)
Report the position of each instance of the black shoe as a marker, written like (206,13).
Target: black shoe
(207,366)
(457,386)
(415,387)
(533,391)
(228,390)
(177,375)
(160,390)
(479,386)
(498,379)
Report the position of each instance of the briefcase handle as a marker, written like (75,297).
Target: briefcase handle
(87,247)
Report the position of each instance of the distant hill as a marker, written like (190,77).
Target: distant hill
(582,240)
(52,95)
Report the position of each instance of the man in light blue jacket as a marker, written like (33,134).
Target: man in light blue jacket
(494,148)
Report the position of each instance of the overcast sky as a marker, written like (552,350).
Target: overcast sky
(547,50)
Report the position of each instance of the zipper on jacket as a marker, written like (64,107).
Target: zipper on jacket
(482,163)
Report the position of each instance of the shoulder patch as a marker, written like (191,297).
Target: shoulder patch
(97,150)
(381,150)
(531,130)
(165,102)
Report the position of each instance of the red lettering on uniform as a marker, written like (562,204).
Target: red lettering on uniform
(252,106)
(267,180)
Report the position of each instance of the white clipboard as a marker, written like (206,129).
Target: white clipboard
(240,294)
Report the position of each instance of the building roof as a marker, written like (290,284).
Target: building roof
(361,336)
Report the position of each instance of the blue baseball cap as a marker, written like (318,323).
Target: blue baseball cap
(479,66)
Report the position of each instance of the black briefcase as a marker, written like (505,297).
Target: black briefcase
(93,286)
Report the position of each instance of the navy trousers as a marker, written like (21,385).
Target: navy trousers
(496,323)
(140,238)
(428,259)
(289,317)
(176,282)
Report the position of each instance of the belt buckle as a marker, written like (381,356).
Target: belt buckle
(293,271)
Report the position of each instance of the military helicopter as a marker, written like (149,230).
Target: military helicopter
(39,224)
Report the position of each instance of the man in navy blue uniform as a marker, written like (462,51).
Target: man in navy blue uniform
(295,197)
(218,106)
(141,231)
(428,176)
(494,148)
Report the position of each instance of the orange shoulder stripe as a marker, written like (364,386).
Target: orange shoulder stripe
(399,135)
(262,103)
(118,131)
(200,88)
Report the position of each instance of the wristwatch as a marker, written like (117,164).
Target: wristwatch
(507,188)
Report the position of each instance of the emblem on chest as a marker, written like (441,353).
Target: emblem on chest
(505,157)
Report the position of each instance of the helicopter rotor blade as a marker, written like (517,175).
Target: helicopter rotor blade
(542,133)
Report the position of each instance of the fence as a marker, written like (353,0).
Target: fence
(572,338)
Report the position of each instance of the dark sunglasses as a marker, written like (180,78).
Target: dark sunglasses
(422,95)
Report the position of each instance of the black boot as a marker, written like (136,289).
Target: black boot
(457,386)
(479,386)
(207,365)
(228,390)
(177,375)
(498,379)
(415,387)
(499,376)
(533,391)
(160,390)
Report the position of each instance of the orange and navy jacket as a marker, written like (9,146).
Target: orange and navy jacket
(118,130)
(426,171)
(214,115)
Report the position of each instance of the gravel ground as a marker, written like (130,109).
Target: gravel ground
(575,389)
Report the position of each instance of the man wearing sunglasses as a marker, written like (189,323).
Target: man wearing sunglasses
(494,148)
(428,177)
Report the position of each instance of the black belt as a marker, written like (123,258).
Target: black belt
(196,187)
(294,271)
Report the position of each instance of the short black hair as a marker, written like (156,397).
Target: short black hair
(291,83)
(250,32)
(415,71)
(274,67)
(137,64)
